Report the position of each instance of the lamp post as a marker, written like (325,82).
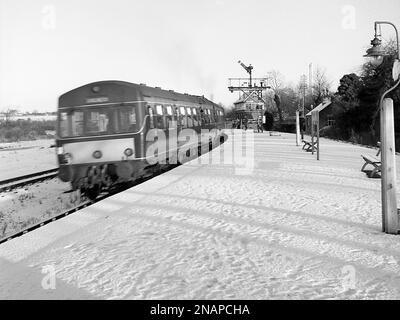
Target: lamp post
(390,218)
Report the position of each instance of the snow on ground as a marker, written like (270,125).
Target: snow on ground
(25,157)
(23,207)
(293,228)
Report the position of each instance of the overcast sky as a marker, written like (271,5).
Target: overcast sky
(49,47)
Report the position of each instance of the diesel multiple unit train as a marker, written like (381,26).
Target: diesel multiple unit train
(106,129)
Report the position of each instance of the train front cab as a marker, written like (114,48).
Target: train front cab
(98,143)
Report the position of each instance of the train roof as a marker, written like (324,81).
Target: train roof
(128,90)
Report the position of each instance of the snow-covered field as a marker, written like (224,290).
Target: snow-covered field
(25,157)
(42,117)
(291,228)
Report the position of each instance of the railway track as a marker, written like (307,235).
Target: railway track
(10,184)
(47,221)
(82,205)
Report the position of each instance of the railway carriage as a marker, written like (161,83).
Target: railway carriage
(104,128)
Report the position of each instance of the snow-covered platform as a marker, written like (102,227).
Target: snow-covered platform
(288,227)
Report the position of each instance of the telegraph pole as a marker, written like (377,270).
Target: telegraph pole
(303,86)
(310,83)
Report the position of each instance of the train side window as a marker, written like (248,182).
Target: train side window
(159,110)
(176,113)
(160,115)
(189,117)
(211,115)
(151,117)
(169,110)
(195,119)
(182,117)
(170,117)
(202,116)
(125,120)
(206,116)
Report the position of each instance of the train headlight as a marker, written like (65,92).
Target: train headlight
(128,152)
(97,154)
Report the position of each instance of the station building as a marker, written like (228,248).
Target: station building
(252,107)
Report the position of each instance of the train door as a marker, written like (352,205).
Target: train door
(171,132)
(202,117)
(169,117)
(189,118)
(151,134)
(160,117)
(212,115)
(151,117)
(206,117)
(178,119)
(161,133)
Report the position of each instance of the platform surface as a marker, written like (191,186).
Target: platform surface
(290,227)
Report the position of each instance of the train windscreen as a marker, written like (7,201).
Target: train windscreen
(97,121)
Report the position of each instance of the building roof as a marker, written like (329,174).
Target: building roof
(239,101)
(320,107)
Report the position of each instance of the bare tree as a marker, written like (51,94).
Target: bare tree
(277,83)
(9,113)
(276,79)
(321,85)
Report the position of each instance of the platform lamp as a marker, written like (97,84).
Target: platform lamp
(390,217)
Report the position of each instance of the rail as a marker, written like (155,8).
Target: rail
(20,181)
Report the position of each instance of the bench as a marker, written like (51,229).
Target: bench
(375,161)
(308,145)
